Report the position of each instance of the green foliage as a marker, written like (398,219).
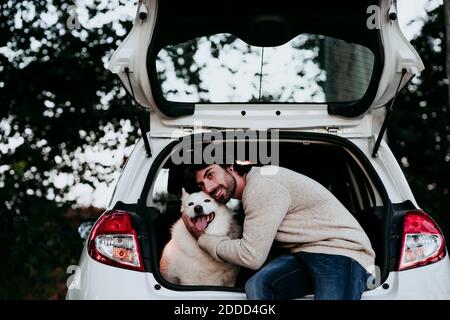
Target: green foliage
(57,99)
(419,132)
(37,248)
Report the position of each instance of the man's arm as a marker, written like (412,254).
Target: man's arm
(265,206)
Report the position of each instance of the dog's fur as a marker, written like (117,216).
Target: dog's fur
(183,261)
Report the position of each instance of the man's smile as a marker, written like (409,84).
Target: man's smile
(217,193)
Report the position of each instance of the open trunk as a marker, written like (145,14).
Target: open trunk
(186,57)
(332,161)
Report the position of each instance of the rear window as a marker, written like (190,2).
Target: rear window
(222,68)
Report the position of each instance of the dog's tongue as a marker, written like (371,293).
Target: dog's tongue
(201,223)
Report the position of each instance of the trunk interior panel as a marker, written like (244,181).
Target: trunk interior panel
(329,161)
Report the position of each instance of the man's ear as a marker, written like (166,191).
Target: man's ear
(184,194)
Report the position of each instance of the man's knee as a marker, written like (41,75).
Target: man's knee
(256,287)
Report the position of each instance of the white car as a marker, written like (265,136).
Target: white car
(306,80)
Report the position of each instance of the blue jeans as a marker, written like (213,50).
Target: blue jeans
(290,276)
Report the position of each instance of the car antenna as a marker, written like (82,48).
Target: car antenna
(389,111)
(139,118)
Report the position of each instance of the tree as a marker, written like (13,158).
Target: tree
(447,32)
(57,100)
(419,132)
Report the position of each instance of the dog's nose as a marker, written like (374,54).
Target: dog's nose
(198,209)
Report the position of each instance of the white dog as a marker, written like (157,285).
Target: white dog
(183,261)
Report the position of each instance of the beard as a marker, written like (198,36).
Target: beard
(227,189)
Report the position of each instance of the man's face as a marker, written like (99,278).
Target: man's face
(217,182)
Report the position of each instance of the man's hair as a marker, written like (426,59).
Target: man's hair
(190,183)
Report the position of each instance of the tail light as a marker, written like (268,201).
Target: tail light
(422,243)
(114,241)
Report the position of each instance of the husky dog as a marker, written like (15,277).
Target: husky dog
(183,261)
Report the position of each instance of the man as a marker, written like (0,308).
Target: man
(329,251)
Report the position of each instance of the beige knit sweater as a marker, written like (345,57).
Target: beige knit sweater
(298,213)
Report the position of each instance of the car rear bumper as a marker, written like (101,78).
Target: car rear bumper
(94,280)
(431,282)
(97,281)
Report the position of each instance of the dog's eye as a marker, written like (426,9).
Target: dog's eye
(190,203)
(207,200)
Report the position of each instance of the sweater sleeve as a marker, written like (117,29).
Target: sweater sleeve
(266,203)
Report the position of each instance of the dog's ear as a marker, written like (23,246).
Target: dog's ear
(184,194)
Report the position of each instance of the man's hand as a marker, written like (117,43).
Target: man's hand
(190,226)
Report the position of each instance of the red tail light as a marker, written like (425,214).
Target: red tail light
(422,242)
(114,241)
